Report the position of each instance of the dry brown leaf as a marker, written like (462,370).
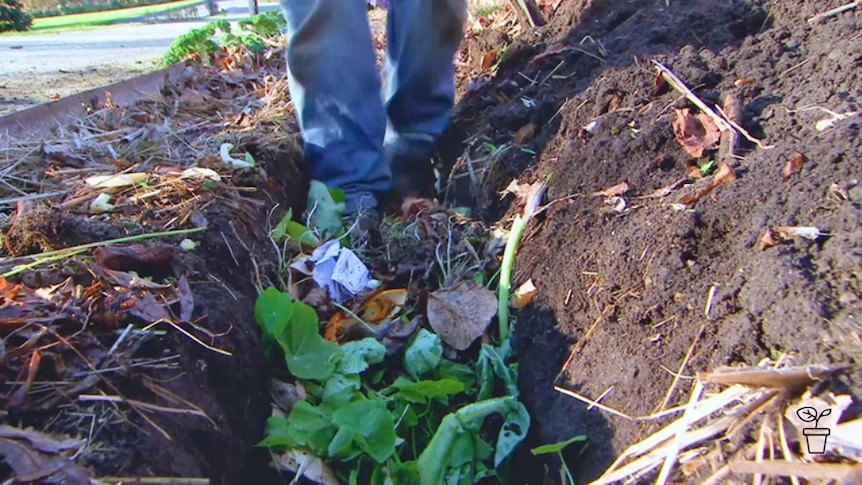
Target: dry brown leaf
(667,189)
(696,133)
(41,441)
(461,314)
(418,205)
(793,165)
(614,191)
(30,465)
(660,85)
(525,134)
(488,60)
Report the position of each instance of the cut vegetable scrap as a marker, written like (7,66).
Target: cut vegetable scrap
(523,295)
(116,181)
(378,311)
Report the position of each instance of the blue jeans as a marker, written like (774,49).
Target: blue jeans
(345,117)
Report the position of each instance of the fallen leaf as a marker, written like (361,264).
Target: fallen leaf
(55,96)
(149,310)
(286,395)
(461,314)
(696,133)
(41,441)
(793,165)
(659,86)
(187,299)
(30,465)
(523,295)
(312,467)
(525,134)
(488,60)
(134,257)
(666,190)
(614,191)
(116,181)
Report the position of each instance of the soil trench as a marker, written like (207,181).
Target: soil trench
(660,279)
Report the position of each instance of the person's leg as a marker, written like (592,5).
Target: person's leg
(334,86)
(423,37)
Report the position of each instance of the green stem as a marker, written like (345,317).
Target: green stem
(51,256)
(506,275)
(356,317)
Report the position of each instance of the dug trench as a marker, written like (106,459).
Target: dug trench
(651,286)
(629,294)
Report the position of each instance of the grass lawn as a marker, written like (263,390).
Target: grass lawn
(104,18)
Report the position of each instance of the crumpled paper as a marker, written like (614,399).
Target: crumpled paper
(338,270)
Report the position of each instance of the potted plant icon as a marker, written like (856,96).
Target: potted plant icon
(815,437)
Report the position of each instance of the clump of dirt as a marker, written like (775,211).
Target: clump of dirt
(625,294)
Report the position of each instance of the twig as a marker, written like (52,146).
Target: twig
(681,431)
(834,11)
(189,335)
(730,139)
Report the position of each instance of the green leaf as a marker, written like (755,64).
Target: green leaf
(437,460)
(277,433)
(340,390)
(423,391)
(307,354)
(514,431)
(370,427)
(293,230)
(273,311)
(358,355)
(249,158)
(424,354)
(707,168)
(309,426)
(558,446)
(326,213)
(491,362)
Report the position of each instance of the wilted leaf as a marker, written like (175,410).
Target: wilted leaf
(696,133)
(117,181)
(793,165)
(41,441)
(423,355)
(525,134)
(134,257)
(312,467)
(666,190)
(326,212)
(614,191)
(30,465)
(461,314)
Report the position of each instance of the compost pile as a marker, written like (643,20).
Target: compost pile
(644,264)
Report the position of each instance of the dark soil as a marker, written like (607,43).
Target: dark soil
(640,280)
(622,296)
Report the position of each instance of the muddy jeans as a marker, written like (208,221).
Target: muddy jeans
(344,115)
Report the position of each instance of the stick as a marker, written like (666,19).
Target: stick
(834,11)
(730,139)
(781,468)
(681,430)
(529,13)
